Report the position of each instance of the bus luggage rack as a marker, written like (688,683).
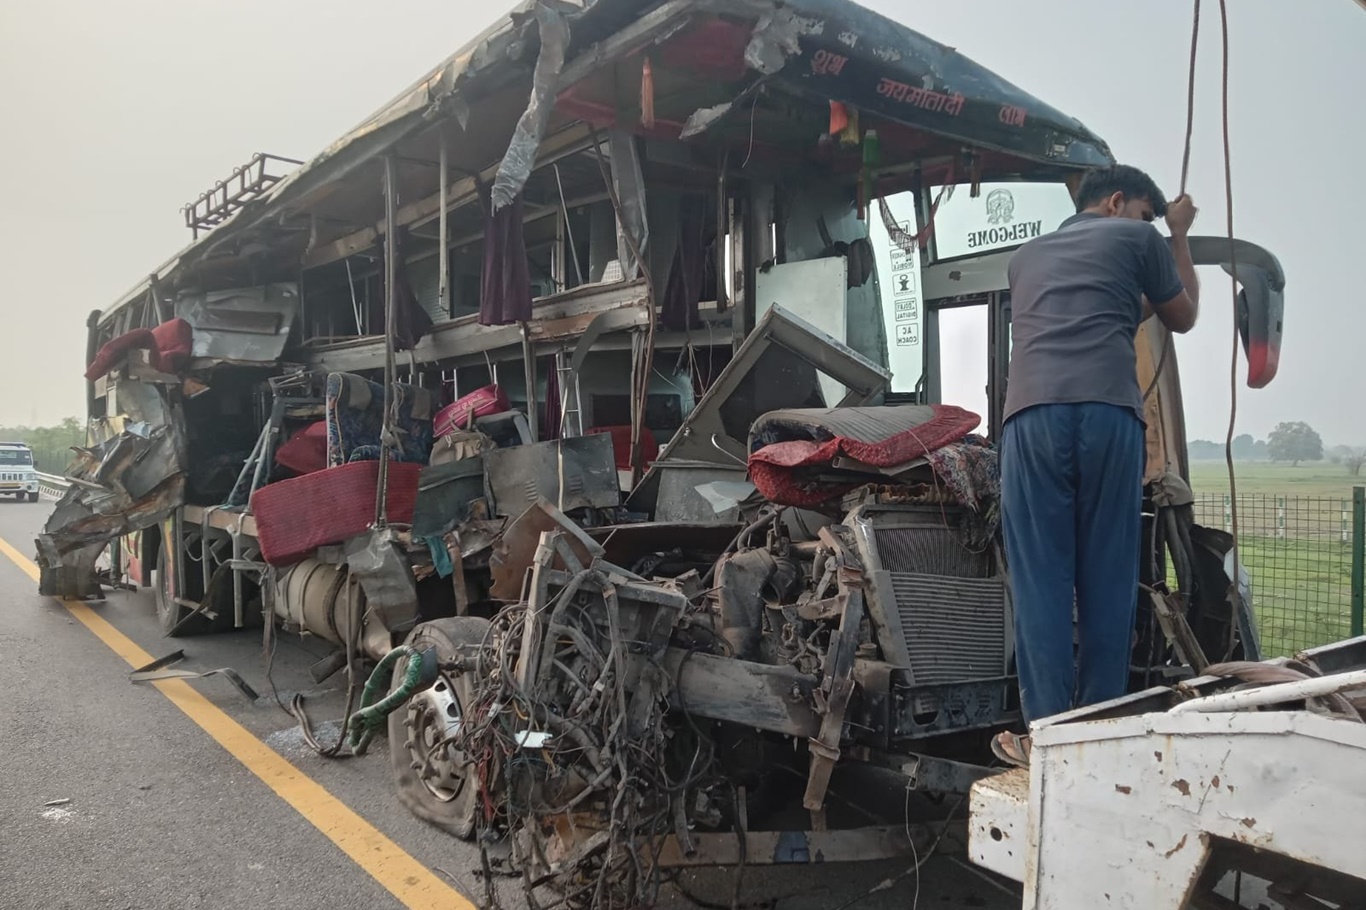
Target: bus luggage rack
(227,196)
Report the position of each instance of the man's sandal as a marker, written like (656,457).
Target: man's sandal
(1011,748)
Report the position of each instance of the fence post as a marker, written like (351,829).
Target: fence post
(1358,558)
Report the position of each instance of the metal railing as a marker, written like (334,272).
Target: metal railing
(52,486)
(1305,555)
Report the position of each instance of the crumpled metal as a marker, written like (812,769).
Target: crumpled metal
(775,39)
(520,158)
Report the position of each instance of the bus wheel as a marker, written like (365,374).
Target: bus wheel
(435,780)
(172,615)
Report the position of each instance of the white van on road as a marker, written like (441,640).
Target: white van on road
(17,477)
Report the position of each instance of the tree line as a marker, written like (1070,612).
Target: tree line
(51,445)
(1291,442)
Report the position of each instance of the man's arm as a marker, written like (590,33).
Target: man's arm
(1180,312)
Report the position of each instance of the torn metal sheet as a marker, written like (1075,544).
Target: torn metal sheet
(725,495)
(680,497)
(520,158)
(778,37)
(157,671)
(827,48)
(130,481)
(241,325)
(386,576)
(633,229)
(702,119)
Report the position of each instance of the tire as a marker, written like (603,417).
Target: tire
(33,497)
(170,613)
(447,797)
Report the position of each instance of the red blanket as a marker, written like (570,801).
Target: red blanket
(784,472)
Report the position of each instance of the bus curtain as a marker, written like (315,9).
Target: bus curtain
(505,288)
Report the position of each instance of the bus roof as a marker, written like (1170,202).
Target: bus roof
(826,50)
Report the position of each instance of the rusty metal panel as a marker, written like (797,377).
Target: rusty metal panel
(515,549)
(521,476)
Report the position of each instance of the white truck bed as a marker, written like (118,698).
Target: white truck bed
(1143,811)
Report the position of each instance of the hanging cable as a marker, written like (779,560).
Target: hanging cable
(1185,174)
(1233,599)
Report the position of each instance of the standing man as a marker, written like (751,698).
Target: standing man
(1072,453)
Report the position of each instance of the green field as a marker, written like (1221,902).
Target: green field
(1301,590)
(1295,533)
(1318,479)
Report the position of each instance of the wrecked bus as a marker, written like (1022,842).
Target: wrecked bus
(595,392)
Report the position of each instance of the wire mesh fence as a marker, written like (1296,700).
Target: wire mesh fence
(1304,555)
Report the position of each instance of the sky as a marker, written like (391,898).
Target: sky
(117,114)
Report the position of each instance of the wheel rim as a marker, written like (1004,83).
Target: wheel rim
(433,718)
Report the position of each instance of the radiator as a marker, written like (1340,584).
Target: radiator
(940,607)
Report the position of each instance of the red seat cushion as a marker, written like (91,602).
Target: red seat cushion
(297,516)
(170,344)
(175,341)
(305,451)
(114,351)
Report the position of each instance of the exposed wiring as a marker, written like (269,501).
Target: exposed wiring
(753,109)
(918,861)
(915,854)
(575,689)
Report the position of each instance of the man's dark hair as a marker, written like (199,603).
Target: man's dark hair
(1099,184)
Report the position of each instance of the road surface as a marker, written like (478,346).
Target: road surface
(187,795)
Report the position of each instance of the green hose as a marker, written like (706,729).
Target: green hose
(370,717)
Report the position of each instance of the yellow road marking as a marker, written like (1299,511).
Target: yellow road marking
(415,886)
